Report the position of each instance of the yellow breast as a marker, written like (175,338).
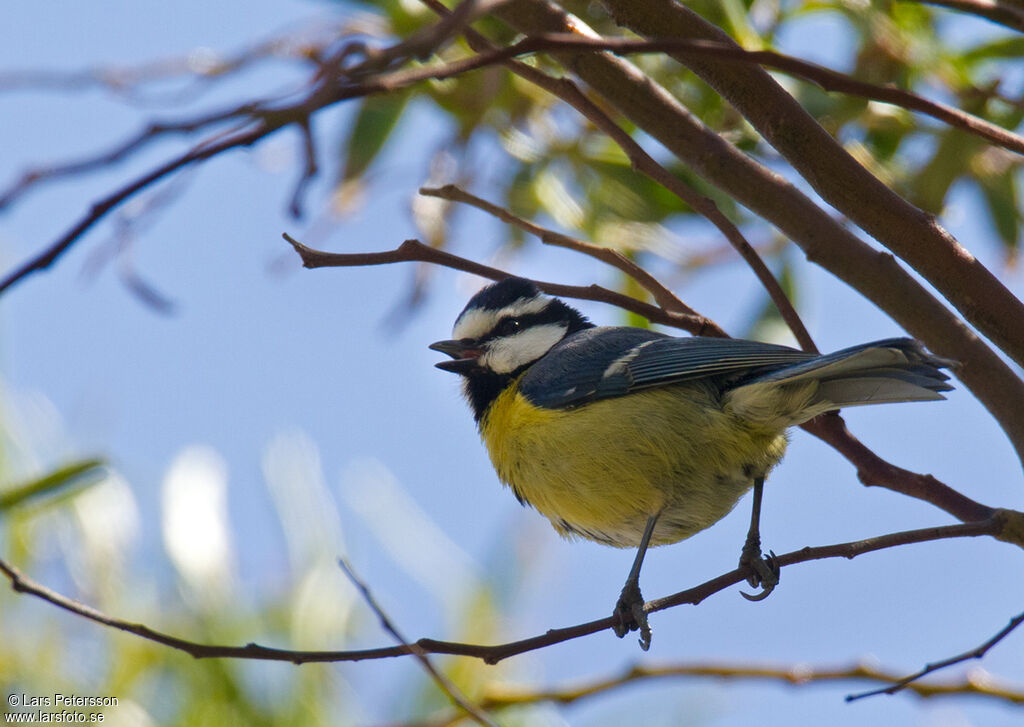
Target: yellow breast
(602,469)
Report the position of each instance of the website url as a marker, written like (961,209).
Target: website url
(62,717)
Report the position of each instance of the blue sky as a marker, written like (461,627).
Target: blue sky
(259,351)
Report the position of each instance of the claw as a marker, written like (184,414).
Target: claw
(764,572)
(629,615)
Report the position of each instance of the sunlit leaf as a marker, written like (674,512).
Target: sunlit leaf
(376,119)
(1009,47)
(950,160)
(77,474)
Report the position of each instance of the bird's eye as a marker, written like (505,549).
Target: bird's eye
(508,326)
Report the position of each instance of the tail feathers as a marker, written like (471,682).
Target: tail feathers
(892,370)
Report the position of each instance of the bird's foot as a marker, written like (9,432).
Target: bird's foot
(763,569)
(629,615)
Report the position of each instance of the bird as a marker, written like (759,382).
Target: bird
(634,438)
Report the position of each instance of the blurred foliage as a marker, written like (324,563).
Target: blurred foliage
(84,544)
(76,474)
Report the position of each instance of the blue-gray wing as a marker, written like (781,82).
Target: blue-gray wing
(600,363)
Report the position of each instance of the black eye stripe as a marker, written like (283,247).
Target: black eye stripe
(504,328)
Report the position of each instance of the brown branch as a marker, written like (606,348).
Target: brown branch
(100,209)
(825,78)
(261,120)
(125,80)
(310,170)
(872,470)
(802,675)
(416,251)
(32,177)
(492,654)
(1004,12)
(662,295)
(840,179)
(826,242)
(454,694)
(975,653)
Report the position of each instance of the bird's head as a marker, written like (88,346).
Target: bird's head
(505,328)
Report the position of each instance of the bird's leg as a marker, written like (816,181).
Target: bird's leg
(764,571)
(629,611)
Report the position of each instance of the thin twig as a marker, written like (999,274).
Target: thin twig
(662,295)
(309,171)
(100,209)
(415,251)
(451,691)
(645,163)
(825,78)
(256,122)
(975,653)
(492,654)
(151,132)
(297,44)
(1005,12)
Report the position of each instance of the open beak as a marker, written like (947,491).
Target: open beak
(464,353)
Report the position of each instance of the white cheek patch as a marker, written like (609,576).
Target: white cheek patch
(505,355)
(476,322)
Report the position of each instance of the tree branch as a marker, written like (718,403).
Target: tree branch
(100,209)
(492,654)
(662,295)
(257,120)
(801,675)
(975,653)
(1004,12)
(825,78)
(416,251)
(872,470)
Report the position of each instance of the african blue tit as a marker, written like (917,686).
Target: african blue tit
(631,438)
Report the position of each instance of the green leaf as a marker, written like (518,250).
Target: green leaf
(950,161)
(84,473)
(376,119)
(1000,192)
(1012,47)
